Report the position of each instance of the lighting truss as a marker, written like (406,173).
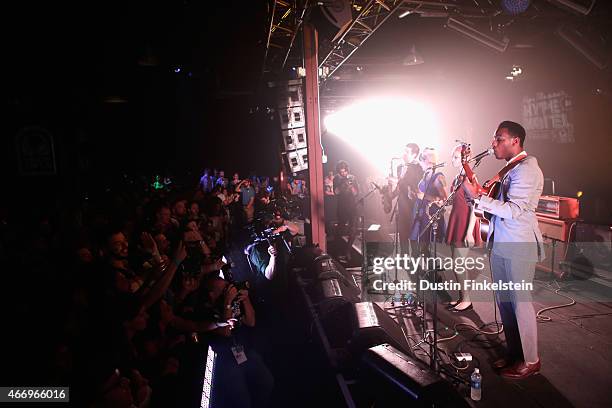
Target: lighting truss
(372,14)
(285,21)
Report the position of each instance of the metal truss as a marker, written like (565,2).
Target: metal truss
(372,14)
(285,20)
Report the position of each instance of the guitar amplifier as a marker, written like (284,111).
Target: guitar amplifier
(558,236)
(555,229)
(558,207)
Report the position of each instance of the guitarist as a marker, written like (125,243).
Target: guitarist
(409,175)
(516,241)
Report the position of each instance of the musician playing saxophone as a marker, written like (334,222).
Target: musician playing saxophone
(346,190)
(409,175)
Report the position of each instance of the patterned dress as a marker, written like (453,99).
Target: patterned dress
(459,219)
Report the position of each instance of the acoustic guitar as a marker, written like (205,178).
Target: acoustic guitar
(489,189)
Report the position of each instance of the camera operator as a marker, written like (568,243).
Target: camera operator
(268,256)
(241,378)
(269,252)
(262,257)
(282,226)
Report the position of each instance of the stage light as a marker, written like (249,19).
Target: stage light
(590,48)
(209,372)
(405,13)
(413,57)
(515,73)
(579,194)
(515,7)
(583,7)
(380,128)
(474,34)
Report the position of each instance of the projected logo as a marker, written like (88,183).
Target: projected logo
(548,117)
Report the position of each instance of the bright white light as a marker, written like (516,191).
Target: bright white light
(380,128)
(209,370)
(404,14)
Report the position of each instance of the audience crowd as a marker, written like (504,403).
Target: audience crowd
(119,296)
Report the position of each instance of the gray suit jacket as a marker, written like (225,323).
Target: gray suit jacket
(516,234)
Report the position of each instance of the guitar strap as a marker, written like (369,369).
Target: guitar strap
(502,173)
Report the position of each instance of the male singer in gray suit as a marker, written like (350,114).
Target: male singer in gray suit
(516,246)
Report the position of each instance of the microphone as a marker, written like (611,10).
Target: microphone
(486,153)
(437,166)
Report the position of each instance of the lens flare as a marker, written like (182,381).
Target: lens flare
(380,128)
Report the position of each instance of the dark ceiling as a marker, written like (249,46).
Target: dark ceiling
(176,82)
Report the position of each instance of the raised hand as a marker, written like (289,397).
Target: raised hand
(230,294)
(148,243)
(181,253)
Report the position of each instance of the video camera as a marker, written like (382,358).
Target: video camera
(267,235)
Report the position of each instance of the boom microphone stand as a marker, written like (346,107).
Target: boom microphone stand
(433,223)
(364,256)
(431,227)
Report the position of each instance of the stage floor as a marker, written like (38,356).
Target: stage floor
(574,346)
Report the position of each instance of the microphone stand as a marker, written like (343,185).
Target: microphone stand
(433,223)
(364,262)
(396,244)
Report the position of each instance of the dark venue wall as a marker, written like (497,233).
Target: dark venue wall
(134,89)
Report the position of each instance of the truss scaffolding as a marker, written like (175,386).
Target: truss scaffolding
(371,14)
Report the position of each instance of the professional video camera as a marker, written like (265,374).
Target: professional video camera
(266,235)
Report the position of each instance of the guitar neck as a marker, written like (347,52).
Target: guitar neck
(468,171)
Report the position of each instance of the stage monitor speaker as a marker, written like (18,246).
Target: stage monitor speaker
(375,326)
(400,379)
(331,283)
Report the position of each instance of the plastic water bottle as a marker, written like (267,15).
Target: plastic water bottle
(476,385)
